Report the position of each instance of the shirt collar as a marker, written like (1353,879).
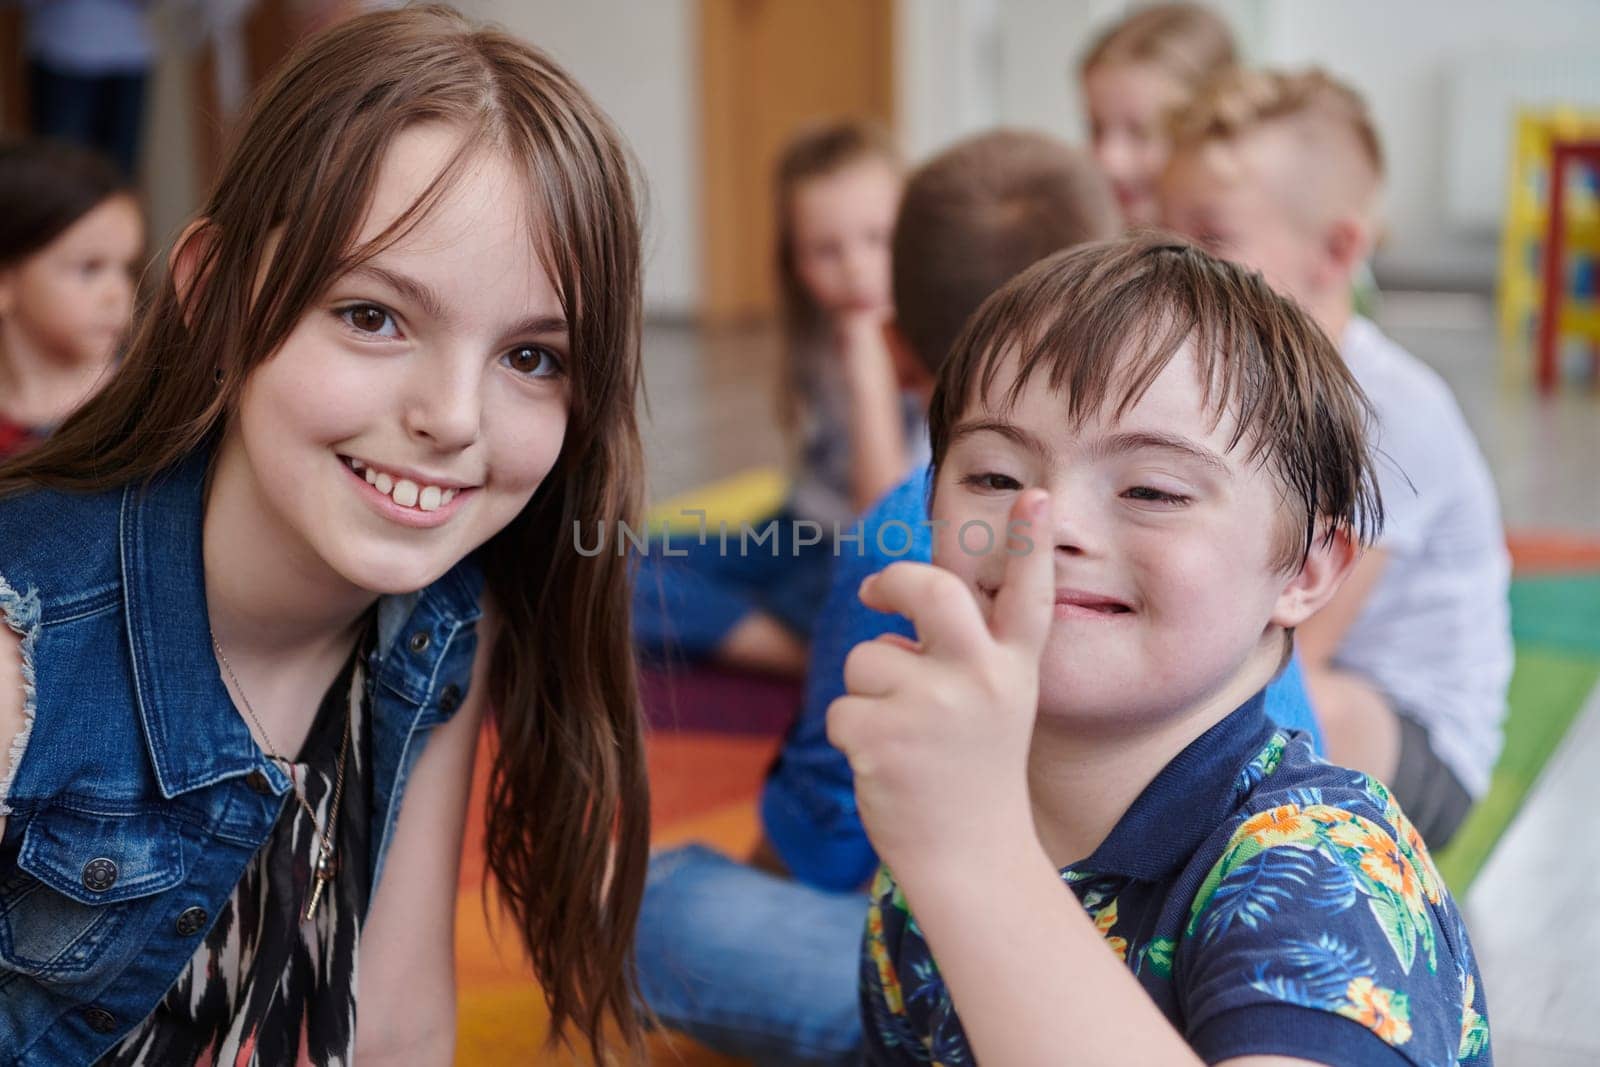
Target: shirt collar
(1191,796)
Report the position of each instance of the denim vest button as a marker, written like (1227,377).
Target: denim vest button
(449,698)
(100,1020)
(192,921)
(99,875)
(258,782)
(419,641)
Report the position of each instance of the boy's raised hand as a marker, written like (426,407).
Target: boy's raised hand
(938,731)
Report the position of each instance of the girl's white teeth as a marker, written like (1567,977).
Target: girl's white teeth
(406,493)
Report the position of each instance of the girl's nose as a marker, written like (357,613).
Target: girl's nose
(444,404)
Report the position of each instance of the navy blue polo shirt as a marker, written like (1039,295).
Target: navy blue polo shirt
(1269,903)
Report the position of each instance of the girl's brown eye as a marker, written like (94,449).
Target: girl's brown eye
(367,319)
(533,361)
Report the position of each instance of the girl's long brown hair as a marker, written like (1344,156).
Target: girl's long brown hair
(568,822)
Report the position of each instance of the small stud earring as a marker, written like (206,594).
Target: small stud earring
(219,375)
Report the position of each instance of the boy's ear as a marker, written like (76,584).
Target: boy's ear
(184,262)
(1327,565)
(908,369)
(1346,243)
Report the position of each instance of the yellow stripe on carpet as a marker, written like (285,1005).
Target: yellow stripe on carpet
(743,497)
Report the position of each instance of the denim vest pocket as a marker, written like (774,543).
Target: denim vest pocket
(80,877)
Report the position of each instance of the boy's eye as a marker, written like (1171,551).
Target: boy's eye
(369,319)
(1145,494)
(533,361)
(992,481)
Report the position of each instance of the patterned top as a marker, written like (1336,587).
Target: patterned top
(1269,903)
(265,988)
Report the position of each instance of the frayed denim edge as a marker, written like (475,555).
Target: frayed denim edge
(22,615)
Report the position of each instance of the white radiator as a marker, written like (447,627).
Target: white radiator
(1484,93)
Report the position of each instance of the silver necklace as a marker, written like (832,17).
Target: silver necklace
(326,865)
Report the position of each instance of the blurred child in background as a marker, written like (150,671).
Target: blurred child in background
(855,426)
(1408,665)
(71,235)
(1136,77)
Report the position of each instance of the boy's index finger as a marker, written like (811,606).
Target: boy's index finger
(1024,605)
(938,604)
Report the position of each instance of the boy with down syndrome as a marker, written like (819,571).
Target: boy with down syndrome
(1073,756)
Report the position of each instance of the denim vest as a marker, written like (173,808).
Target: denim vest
(140,796)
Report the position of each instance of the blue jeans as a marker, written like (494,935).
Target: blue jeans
(751,964)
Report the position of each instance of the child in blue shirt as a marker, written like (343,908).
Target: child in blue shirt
(1097,849)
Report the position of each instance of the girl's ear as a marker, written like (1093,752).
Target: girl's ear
(184,262)
(8,290)
(1326,567)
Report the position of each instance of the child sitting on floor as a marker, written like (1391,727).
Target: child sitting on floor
(1150,469)
(855,428)
(1408,667)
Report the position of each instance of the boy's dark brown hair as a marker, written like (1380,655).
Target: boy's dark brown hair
(569,811)
(816,151)
(1188,42)
(976,215)
(1103,320)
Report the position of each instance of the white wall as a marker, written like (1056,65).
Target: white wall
(1400,56)
(637,59)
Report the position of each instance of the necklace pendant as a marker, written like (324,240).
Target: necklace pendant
(322,873)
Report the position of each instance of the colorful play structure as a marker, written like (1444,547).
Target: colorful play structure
(1549,292)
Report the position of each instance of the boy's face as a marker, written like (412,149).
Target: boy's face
(1166,594)
(1229,199)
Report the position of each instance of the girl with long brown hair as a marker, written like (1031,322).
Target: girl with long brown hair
(262,590)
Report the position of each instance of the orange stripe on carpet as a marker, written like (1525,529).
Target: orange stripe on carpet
(1544,551)
(703,788)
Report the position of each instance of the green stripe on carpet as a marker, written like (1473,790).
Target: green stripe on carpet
(1555,620)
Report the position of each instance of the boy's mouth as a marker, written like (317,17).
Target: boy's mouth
(405,490)
(1076,603)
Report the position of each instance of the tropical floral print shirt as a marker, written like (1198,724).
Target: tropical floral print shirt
(1269,903)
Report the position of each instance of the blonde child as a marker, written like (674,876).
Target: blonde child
(853,414)
(1097,847)
(71,235)
(1408,667)
(262,590)
(1135,78)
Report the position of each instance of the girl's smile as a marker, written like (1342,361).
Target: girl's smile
(409,498)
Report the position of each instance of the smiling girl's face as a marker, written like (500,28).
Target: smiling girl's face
(422,399)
